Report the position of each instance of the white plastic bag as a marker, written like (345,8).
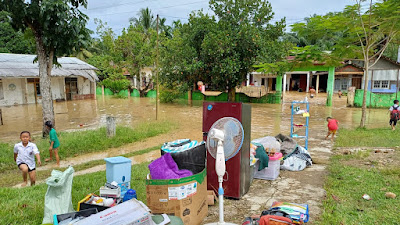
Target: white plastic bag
(58,199)
(269,143)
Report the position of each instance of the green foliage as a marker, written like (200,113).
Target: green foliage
(380,137)
(12,41)
(82,142)
(26,205)
(221,50)
(57,25)
(170,95)
(116,83)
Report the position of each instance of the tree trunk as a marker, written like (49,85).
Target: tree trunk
(45,65)
(364,104)
(232,94)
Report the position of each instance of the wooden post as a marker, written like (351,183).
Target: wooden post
(372,87)
(317,84)
(1,118)
(397,84)
(111,128)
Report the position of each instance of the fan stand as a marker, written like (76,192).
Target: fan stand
(220,169)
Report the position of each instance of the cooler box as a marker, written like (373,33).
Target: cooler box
(118,169)
(272,171)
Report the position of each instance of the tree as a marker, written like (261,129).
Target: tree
(145,20)
(12,41)
(58,27)
(116,83)
(221,50)
(367,34)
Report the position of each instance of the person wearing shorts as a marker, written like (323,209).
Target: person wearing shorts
(333,126)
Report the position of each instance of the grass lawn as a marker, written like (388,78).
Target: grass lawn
(380,137)
(80,142)
(366,172)
(13,177)
(26,205)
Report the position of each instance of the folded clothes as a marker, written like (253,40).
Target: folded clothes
(166,168)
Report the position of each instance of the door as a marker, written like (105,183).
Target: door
(356,82)
(33,90)
(71,87)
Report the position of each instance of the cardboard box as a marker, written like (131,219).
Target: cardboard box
(132,212)
(185,197)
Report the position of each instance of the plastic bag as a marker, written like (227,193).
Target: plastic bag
(58,199)
(269,143)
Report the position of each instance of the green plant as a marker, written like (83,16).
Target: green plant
(116,83)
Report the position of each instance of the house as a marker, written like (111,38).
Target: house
(146,75)
(383,76)
(19,80)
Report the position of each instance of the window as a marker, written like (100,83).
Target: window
(1,90)
(381,84)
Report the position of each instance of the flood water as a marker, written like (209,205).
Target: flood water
(267,119)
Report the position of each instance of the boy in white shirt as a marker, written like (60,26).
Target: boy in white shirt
(24,156)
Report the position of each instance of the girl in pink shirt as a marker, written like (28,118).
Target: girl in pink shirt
(333,125)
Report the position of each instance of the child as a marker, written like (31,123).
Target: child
(312,92)
(24,156)
(340,93)
(54,143)
(394,114)
(333,125)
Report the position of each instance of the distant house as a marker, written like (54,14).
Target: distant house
(383,76)
(19,80)
(145,76)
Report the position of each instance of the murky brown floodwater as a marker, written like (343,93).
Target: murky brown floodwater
(267,119)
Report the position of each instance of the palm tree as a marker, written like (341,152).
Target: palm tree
(145,19)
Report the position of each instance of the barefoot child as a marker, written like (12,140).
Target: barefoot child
(394,114)
(333,125)
(54,143)
(24,156)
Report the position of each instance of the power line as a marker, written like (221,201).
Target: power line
(116,5)
(166,7)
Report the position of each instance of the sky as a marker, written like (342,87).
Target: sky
(116,13)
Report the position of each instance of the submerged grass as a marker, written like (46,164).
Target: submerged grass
(81,142)
(380,137)
(13,177)
(26,205)
(349,179)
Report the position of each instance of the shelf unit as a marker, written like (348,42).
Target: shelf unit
(292,125)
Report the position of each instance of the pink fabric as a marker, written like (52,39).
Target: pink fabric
(332,124)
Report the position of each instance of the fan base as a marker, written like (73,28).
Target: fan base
(218,223)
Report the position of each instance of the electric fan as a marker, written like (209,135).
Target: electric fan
(224,141)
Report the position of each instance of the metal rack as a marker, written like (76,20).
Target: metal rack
(292,124)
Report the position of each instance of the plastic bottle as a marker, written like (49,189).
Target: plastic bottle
(129,195)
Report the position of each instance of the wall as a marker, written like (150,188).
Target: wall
(375,100)
(57,88)
(12,97)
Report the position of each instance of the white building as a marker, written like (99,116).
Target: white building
(19,80)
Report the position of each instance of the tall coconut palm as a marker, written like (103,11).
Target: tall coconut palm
(145,19)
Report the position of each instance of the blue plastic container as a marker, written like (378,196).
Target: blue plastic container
(130,194)
(118,169)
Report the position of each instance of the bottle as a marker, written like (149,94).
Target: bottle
(129,195)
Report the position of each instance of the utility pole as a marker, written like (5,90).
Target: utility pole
(157,91)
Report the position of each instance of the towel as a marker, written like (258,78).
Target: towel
(262,156)
(165,168)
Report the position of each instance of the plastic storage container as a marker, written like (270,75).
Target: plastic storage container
(130,194)
(272,171)
(118,169)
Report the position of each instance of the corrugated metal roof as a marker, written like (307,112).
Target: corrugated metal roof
(18,65)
